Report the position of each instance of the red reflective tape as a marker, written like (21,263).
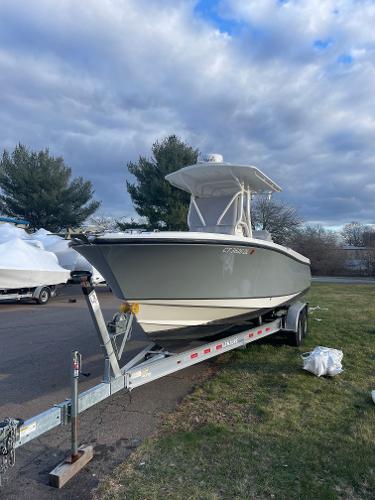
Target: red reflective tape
(268,329)
(206,351)
(219,346)
(251,334)
(259,332)
(194,355)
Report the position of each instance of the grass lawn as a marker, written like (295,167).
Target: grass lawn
(261,427)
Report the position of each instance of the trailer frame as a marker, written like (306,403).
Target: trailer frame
(146,366)
(33,293)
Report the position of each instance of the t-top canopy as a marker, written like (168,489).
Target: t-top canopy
(209,179)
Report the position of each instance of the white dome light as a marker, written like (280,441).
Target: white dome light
(213,158)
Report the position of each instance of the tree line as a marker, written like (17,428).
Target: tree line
(39,187)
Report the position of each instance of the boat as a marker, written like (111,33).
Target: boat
(218,276)
(24,265)
(67,257)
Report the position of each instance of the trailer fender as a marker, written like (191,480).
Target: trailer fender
(42,294)
(37,291)
(293,314)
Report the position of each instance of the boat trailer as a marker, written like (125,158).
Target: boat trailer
(40,294)
(149,364)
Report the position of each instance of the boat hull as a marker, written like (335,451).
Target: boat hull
(191,290)
(166,321)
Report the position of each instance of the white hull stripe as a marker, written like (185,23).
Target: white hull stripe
(166,315)
(221,303)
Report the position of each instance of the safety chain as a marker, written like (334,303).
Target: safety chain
(8,437)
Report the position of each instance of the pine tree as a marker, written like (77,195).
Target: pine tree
(162,205)
(38,188)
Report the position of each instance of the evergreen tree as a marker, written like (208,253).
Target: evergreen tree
(162,205)
(38,188)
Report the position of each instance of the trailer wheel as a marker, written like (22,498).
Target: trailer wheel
(44,296)
(296,338)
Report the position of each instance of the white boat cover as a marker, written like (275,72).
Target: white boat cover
(24,265)
(67,256)
(207,179)
(41,258)
(9,232)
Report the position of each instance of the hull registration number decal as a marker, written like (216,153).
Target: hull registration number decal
(239,250)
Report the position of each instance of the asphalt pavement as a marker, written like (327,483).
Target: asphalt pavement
(36,343)
(344,280)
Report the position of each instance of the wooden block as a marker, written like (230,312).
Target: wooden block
(67,469)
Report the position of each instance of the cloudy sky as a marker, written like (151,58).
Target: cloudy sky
(287,85)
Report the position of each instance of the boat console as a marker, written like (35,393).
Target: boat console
(221,194)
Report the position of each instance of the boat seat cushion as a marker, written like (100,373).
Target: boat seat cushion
(211,209)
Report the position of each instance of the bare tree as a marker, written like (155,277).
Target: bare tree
(276,217)
(102,222)
(133,224)
(353,233)
(322,248)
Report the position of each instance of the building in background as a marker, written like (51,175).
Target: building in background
(359,261)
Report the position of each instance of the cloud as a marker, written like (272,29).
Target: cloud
(286,85)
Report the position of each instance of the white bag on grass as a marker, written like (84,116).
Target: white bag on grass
(323,361)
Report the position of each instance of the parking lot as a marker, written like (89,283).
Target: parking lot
(36,343)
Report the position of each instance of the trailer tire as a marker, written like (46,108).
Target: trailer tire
(296,338)
(44,296)
(306,322)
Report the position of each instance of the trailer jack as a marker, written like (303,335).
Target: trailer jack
(79,456)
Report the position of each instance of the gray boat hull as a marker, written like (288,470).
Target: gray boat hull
(195,289)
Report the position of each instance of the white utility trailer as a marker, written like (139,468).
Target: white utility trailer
(40,294)
(149,364)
